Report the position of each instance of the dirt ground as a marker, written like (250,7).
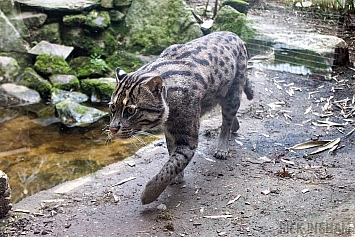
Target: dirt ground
(263,189)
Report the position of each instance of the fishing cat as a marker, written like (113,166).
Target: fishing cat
(175,90)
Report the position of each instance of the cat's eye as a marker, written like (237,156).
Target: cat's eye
(112,109)
(129,111)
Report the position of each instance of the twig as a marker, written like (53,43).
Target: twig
(124,181)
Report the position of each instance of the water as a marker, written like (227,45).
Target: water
(39,157)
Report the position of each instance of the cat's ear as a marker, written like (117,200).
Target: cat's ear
(155,85)
(120,74)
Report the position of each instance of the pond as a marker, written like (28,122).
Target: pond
(37,157)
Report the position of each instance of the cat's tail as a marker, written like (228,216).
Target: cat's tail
(248,90)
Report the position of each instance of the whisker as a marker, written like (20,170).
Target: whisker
(139,139)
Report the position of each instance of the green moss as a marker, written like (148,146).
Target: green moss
(65,82)
(74,20)
(98,20)
(111,45)
(80,109)
(102,87)
(229,19)
(151,31)
(89,66)
(34,81)
(47,65)
(128,62)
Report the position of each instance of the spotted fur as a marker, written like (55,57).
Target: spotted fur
(175,90)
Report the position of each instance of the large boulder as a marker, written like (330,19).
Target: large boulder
(15,95)
(13,41)
(9,69)
(73,114)
(154,25)
(54,5)
(33,80)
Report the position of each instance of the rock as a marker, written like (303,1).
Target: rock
(48,32)
(44,47)
(59,95)
(13,41)
(311,51)
(66,6)
(6,6)
(31,79)
(116,16)
(7,114)
(30,19)
(73,114)
(151,31)
(122,3)
(100,89)
(107,3)
(239,5)
(128,62)
(98,20)
(103,44)
(14,95)
(9,69)
(88,66)
(94,20)
(229,19)
(5,195)
(65,82)
(47,65)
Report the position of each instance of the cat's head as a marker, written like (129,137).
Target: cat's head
(137,104)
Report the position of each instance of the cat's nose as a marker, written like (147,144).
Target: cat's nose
(114,130)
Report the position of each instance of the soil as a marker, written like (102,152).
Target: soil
(263,189)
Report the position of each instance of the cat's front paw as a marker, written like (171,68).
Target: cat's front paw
(220,154)
(152,191)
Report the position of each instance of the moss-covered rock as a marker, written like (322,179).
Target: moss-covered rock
(74,20)
(239,5)
(98,20)
(58,95)
(128,62)
(33,80)
(47,65)
(9,69)
(65,82)
(122,3)
(92,66)
(101,88)
(73,114)
(229,19)
(152,30)
(48,32)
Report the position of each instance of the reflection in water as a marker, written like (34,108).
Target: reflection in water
(37,158)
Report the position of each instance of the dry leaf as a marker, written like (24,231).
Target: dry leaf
(306,145)
(327,146)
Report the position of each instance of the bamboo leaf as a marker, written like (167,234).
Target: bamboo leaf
(327,146)
(306,145)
